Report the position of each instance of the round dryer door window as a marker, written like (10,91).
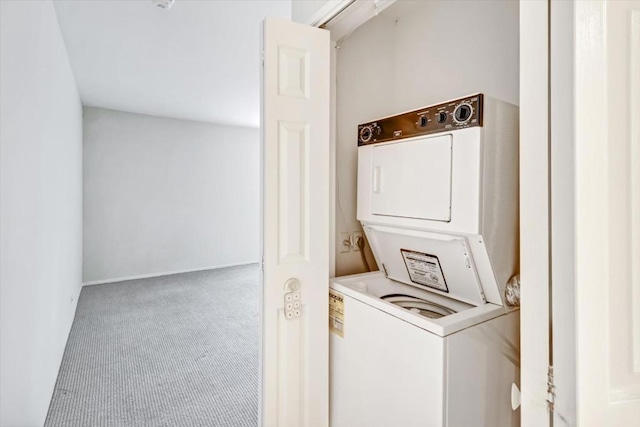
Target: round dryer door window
(419,306)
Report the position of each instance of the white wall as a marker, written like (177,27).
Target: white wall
(306,11)
(417,53)
(40,207)
(165,195)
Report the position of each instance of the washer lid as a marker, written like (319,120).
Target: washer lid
(440,263)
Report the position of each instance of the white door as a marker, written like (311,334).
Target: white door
(295,153)
(607,126)
(594,177)
(397,188)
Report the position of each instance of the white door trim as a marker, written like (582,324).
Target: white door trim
(607,86)
(562,177)
(591,189)
(635,182)
(352,15)
(534,210)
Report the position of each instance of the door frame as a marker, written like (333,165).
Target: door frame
(592,216)
(535,204)
(580,215)
(607,131)
(535,263)
(563,209)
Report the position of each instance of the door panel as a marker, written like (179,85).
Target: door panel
(295,155)
(607,285)
(534,211)
(412,179)
(623,50)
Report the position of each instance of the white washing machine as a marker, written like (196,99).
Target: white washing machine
(432,339)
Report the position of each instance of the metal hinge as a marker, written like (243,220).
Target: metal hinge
(551,390)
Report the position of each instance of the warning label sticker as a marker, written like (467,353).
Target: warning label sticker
(336,313)
(424,269)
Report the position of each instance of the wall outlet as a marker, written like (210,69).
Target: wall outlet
(345,242)
(356,235)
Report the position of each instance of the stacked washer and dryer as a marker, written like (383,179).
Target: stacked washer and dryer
(432,338)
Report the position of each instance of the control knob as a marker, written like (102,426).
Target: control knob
(368,132)
(462,112)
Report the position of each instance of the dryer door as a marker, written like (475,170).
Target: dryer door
(412,178)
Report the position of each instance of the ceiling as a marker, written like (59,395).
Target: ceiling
(198,60)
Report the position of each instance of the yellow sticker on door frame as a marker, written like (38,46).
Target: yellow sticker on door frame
(336,313)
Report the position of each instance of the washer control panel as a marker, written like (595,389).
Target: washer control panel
(457,114)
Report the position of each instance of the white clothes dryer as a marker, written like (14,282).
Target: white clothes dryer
(429,340)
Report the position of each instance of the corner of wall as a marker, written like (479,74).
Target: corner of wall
(41,208)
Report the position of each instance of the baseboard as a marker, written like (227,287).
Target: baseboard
(165,273)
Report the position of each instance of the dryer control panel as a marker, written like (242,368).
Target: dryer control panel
(457,114)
